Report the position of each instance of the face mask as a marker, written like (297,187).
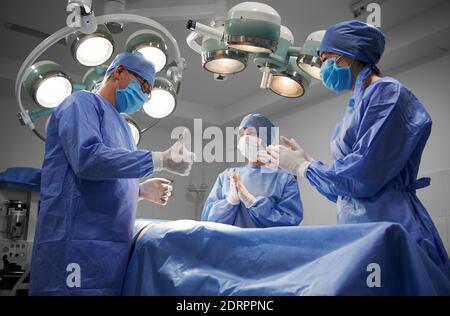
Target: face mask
(249,146)
(335,78)
(131,99)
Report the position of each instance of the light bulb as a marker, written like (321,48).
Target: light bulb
(94,51)
(286,87)
(225,66)
(155,55)
(251,49)
(52,91)
(160,105)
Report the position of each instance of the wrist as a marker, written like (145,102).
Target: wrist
(249,202)
(301,171)
(233,201)
(157,158)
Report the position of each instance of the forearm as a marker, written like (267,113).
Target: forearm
(98,162)
(220,211)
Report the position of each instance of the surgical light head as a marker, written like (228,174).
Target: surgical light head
(151,45)
(308,60)
(252,27)
(93,77)
(291,83)
(276,62)
(47,84)
(163,99)
(91,49)
(218,59)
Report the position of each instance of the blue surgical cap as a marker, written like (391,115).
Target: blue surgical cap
(356,40)
(255,121)
(134,62)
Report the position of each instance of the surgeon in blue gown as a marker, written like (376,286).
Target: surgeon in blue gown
(254,195)
(90,184)
(376,148)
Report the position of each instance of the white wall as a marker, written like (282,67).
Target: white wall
(19,147)
(312,127)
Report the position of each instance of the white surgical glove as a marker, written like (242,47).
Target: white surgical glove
(289,156)
(156,190)
(246,197)
(177,159)
(233,197)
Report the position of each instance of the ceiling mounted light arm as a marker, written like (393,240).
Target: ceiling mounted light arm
(191,40)
(204,30)
(81,15)
(24,117)
(294,51)
(276,62)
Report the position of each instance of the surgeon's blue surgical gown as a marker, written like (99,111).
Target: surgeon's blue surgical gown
(88,199)
(277,199)
(377,150)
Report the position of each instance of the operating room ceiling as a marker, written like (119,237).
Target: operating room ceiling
(198,86)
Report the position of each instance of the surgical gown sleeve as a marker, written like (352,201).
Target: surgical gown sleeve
(387,134)
(81,138)
(287,210)
(217,209)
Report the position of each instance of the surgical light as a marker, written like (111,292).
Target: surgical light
(291,83)
(252,27)
(163,99)
(47,84)
(33,79)
(93,77)
(91,49)
(276,62)
(151,45)
(216,58)
(308,60)
(134,128)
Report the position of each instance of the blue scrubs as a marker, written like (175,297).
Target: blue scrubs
(89,194)
(277,199)
(377,150)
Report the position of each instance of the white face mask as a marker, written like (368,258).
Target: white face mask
(249,146)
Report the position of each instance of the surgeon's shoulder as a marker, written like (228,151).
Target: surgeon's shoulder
(384,90)
(82,101)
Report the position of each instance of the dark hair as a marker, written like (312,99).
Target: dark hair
(376,70)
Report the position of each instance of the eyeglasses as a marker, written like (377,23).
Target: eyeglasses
(143,84)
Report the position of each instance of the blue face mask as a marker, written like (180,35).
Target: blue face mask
(335,78)
(131,99)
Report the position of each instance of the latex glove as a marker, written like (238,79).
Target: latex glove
(233,197)
(246,197)
(177,159)
(289,156)
(156,190)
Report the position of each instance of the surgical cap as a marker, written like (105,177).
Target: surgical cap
(356,40)
(134,62)
(255,121)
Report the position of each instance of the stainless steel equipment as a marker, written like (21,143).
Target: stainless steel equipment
(17,218)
